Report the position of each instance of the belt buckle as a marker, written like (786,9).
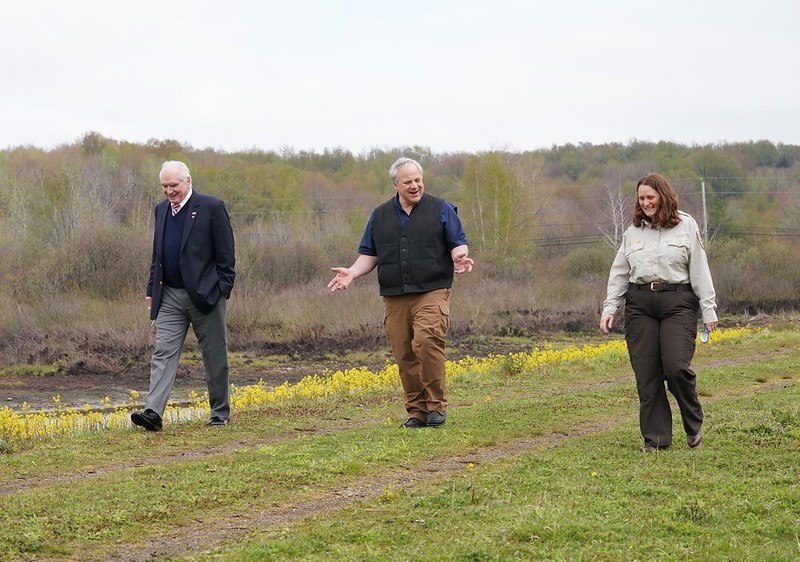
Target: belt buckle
(653,285)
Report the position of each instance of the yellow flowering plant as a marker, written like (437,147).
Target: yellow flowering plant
(20,427)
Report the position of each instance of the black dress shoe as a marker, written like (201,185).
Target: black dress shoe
(413,423)
(436,418)
(694,440)
(148,419)
(216,420)
(650,448)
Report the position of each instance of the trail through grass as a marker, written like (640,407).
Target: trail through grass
(533,464)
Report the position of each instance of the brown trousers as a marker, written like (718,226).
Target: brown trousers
(660,329)
(416,325)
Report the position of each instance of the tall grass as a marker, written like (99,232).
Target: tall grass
(92,286)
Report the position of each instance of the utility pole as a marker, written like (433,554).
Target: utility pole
(705,215)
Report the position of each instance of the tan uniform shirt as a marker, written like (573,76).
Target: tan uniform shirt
(668,255)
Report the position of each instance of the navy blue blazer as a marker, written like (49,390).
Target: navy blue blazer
(207,257)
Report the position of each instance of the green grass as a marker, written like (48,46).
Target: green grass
(380,357)
(541,465)
(23,370)
(592,497)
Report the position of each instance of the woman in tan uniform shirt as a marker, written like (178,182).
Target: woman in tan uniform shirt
(662,274)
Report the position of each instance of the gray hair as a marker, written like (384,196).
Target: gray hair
(400,163)
(177,166)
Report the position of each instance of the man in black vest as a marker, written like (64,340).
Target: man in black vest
(191,278)
(417,242)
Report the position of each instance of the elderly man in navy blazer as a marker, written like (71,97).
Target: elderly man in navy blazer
(191,278)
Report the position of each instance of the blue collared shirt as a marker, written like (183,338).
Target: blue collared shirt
(451,225)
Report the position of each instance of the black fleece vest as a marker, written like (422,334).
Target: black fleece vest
(414,258)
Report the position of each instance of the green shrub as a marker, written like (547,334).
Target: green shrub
(587,261)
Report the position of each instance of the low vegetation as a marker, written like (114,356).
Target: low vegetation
(76,230)
(539,460)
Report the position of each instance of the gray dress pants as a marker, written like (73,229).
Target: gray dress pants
(172,324)
(660,330)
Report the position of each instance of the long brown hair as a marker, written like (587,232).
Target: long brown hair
(667,214)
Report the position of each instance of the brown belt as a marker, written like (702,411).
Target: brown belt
(656,286)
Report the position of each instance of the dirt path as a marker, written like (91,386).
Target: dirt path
(202,535)
(39,482)
(206,452)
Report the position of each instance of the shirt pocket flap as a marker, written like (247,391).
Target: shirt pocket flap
(681,241)
(634,246)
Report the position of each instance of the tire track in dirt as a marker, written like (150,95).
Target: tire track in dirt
(203,535)
(42,482)
(208,452)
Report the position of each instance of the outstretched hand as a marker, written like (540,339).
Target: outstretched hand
(462,263)
(342,280)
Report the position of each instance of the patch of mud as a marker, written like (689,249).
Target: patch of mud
(102,369)
(82,369)
(77,385)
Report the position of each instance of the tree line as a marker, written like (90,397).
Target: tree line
(77,218)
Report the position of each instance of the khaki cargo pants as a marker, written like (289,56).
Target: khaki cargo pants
(416,325)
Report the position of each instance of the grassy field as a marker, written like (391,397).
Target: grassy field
(536,462)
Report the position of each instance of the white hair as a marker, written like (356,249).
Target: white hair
(400,163)
(177,166)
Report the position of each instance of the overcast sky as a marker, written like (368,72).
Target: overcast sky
(454,75)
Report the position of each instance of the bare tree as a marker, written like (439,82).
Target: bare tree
(18,205)
(528,169)
(618,215)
